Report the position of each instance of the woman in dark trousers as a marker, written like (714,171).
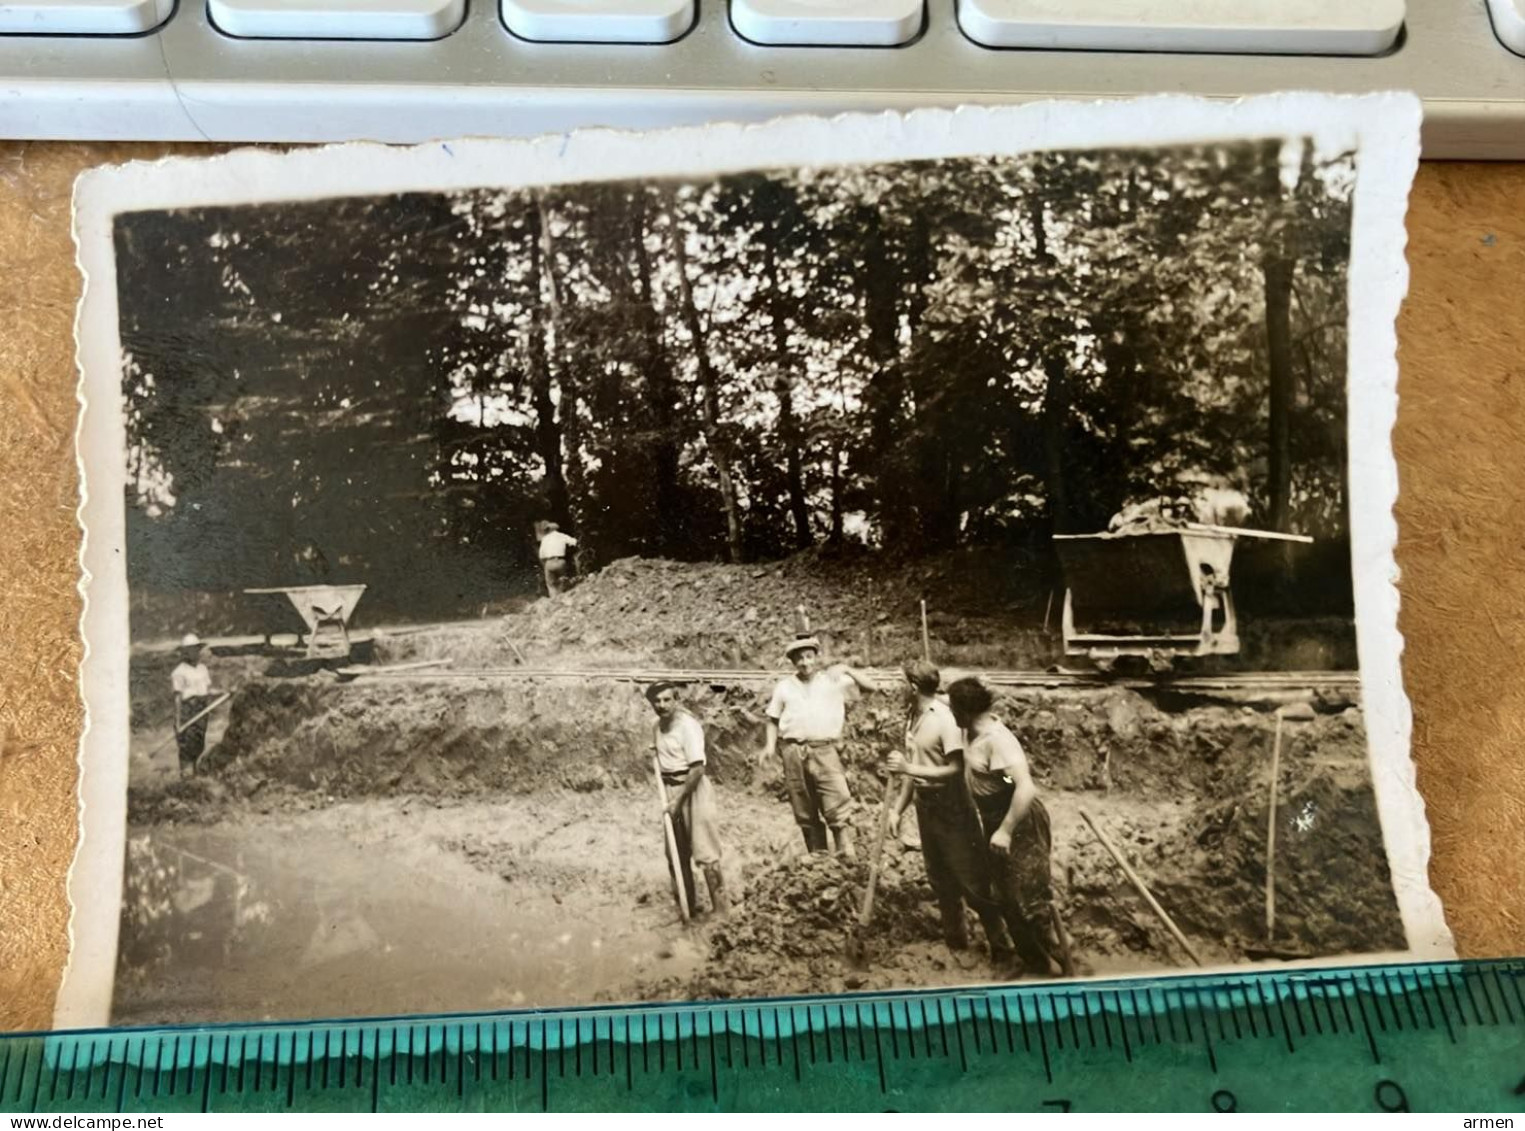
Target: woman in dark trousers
(952,844)
(1016,828)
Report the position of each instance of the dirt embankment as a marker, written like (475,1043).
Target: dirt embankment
(983,612)
(1183,792)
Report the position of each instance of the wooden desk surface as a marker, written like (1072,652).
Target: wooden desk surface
(1461,449)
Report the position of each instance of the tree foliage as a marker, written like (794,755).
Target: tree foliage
(919,355)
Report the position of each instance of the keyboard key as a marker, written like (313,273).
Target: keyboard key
(599,21)
(83,17)
(337,19)
(827,23)
(1272,27)
(1509,23)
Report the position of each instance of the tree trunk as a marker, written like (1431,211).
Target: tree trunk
(783,388)
(661,389)
(1056,389)
(1056,414)
(547,429)
(886,393)
(709,395)
(570,418)
(1277,267)
(836,498)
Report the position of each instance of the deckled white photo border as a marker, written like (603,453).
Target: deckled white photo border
(1382,129)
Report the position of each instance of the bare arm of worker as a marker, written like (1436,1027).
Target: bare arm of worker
(861,679)
(902,800)
(770,744)
(690,783)
(1021,801)
(898,763)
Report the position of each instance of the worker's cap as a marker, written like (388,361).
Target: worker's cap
(799,644)
(190,640)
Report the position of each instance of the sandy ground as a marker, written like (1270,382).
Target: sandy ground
(510,903)
(488,905)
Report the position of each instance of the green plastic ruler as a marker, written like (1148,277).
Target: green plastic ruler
(1448,1037)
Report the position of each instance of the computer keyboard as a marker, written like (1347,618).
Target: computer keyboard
(413,70)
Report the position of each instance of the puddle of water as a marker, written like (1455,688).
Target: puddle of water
(289,921)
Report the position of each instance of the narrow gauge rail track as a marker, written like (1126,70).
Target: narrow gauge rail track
(1234,681)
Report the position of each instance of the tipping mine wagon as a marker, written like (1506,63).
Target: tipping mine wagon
(322,612)
(1161,592)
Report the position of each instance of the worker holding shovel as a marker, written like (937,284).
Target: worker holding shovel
(951,841)
(192,684)
(690,798)
(1016,826)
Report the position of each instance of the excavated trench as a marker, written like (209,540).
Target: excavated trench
(1180,786)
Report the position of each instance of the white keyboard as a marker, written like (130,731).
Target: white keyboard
(412,70)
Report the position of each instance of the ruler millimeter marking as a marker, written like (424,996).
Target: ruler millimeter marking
(1439,1037)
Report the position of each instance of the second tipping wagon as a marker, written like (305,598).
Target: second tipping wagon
(1156,592)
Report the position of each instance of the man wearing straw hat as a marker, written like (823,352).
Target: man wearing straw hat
(192,684)
(806,717)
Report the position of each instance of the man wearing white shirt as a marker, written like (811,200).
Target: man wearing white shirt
(555,558)
(806,717)
(679,741)
(192,684)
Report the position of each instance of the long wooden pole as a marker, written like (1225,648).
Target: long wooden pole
(1153,903)
(197,717)
(1271,833)
(926,637)
(672,842)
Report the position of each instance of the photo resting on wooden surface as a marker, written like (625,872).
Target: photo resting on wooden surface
(828,556)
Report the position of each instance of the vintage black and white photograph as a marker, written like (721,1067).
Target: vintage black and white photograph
(869,571)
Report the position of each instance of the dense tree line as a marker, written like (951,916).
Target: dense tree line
(921,356)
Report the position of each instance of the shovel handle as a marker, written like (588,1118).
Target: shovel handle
(674,865)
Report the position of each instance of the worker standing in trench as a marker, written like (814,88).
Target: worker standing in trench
(1016,826)
(192,685)
(806,717)
(679,742)
(952,844)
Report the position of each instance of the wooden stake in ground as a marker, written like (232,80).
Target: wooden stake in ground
(926,638)
(197,717)
(855,941)
(1153,903)
(801,621)
(674,865)
(1271,833)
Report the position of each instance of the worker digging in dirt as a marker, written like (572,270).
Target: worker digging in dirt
(1016,826)
(951,840)
(805,720)
(556,559)
(192,684)
(679,741)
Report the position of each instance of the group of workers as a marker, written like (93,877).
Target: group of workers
(984,830)
(985,833)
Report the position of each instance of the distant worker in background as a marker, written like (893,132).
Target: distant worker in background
(951,841)
(556,558)
(192,684)
(1016,827)
(679,742)
(806,717)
